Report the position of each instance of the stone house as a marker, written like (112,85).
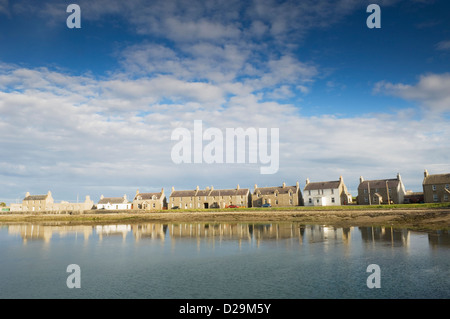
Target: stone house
(277,196)
(209,198)
(114,203)
(222,198)
(36,203)
(331,193)
(436,188)
(149,201)
(382,191)
(45,203)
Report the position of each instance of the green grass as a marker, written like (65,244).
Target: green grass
(316,208)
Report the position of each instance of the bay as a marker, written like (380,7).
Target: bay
(221,260)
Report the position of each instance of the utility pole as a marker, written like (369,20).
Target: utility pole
(387,191)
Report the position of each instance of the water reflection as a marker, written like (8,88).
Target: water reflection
(212,232)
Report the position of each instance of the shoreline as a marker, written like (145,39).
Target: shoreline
(418,219)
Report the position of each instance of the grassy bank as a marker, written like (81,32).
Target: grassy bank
(423,216)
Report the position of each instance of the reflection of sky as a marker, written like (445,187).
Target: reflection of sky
(193,261)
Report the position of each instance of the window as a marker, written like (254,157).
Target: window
(447,186)
(154,205)
(290,202)
(433,187)
(366,199)
(446,197)
(276,202)
(435,198)
(309,193)
(310,201)
(365,191)
(332,192)
(332,199)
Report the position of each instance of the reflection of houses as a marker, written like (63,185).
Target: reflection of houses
(333,193)
(279,196)
(383,191)
(45,232)
(113,203)
(385,234)
(436,188)
(45,203)
(156,201)
(209,198)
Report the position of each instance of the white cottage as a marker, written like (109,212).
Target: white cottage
(114,203)
(332,193)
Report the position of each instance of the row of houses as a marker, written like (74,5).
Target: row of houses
(436,188)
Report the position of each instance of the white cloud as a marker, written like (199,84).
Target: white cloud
(443,45)
(432,91)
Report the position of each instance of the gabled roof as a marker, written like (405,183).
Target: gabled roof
(272,190)
(147,196)
(36,197)
(322,185)
(186,193)
(113,200)
(437,179)
(229,192)
(379,183)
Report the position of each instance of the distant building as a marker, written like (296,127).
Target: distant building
(114,203)
(413,197)
(381,191)
(45,203)
(150,201)
(436,188)
(209,198)
(331,193)
(277,196)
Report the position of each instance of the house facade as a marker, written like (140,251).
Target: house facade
(278,196)
(331,193)
(46,203)
(209,198)
(149,201)
(436,188)
(382,191)
(114,203)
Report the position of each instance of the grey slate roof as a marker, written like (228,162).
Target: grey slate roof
(379,183)
(112,200)
(321,185)
(437,179)
(146,196)
(272,190)
(36,197)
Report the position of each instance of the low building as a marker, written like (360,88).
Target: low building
(114,203)
(149,201)
(436,187)
(331,193)
(209,198)
(381,191)
(46,203)
(277,196)
(413,197)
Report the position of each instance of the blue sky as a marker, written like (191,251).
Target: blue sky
(90,111)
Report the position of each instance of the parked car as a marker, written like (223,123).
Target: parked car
(266,205)
(233,206)
(175,207)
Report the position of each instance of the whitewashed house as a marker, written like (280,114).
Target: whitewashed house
(114,203)
(332,193)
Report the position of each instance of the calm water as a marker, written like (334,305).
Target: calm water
(221,261)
